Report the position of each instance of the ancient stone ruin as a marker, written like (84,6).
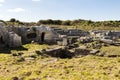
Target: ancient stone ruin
(16,36)
(3,35)
(7,38)
(11,36)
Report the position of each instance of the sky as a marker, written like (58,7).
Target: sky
(35,10)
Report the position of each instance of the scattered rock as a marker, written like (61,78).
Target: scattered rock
(27,74)
(58,52)
(94,51)
(35,79)
(101,54)
(15,78)
(29,58)
(20,59)
(14,54)
(79,51)
(20,53)
(17,54)
(38,52)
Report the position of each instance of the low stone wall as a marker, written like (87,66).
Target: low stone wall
(58,52)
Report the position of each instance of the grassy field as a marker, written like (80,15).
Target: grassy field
(111,50)
(86,28)
(48,68)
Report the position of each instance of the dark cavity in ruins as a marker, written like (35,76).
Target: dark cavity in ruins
(42,36)
(31,35)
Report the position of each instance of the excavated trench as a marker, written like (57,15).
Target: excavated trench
(64,53)
(59,53)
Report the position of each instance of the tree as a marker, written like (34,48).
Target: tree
(57,22)
(3,22)
(12,20)
(66,22)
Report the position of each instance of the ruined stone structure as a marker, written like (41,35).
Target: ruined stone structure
(59,30)
(102,34)
(47,34)
(114,34)
(3,35)
(77,32)
(40,34)
(29,34)
(70,32)
(16,36)
(99,34)
(86,39)
(14,40)
(8,38)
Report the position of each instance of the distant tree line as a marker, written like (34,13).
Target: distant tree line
(78,22)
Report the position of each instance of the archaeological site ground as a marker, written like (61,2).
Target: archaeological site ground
(59,52)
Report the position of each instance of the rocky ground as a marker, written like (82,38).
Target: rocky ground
(31,66)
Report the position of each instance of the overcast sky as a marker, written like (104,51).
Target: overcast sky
(34,10)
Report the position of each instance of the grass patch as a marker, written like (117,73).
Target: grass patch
(111,50)
(85,68)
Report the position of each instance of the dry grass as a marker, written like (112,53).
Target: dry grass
(48,68)
(111,50)
(86,28)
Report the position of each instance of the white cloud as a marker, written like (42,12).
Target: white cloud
(1,16)
(0,5)
(16,10)
(36,0)
(1,1)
